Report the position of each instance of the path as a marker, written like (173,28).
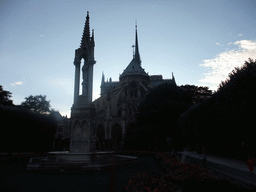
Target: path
(231,167)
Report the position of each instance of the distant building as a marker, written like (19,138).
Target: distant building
(62,134)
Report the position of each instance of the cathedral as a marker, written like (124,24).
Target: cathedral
(117,106)
(102,124)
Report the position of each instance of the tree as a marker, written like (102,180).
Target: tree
(5,97)
(228,118)
(158,116)
(198,94)
(37,104)
(23,130)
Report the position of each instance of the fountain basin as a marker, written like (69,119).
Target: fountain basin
(78,162)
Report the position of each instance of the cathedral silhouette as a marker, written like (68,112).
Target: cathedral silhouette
(103,124)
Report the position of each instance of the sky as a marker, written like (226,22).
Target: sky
(201,42)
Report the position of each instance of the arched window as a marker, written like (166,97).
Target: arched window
(85,131)
(142,92)
(100,133)
(131,93)
(116,137)
(119,113)
(133,84)
(135,93)
(78,131)
(129,129)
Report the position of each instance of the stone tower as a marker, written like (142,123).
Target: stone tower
(82,111)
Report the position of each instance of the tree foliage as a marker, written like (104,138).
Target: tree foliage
(226,122)
(23,130)
(158,116)
(198,94)
(37,103)
(5,97)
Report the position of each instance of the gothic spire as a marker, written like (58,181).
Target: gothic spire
(136,54)
(86,34)
(173,79)
(134,67)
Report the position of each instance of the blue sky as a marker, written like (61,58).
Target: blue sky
(199,41)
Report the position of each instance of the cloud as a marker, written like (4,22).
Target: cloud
(18,83)
(246,44)
(220,66)
(240,35)
(217,43)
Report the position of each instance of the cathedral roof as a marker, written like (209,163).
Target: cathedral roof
(134,67)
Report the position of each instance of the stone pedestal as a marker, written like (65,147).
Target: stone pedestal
(85,146)
(82,124)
